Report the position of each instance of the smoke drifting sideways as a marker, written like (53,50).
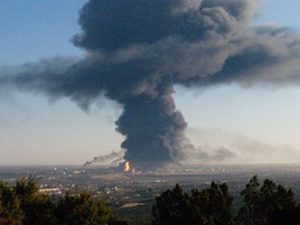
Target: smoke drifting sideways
(112,159)
(136,51)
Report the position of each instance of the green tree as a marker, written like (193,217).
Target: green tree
(26,187)
(251,196)
(81,209)
(267,204)
(172,207)
(212,205)
(37,208)
(10,210)
(202,207)
(22,204)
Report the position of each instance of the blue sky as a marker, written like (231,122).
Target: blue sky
(34,131)
(31,30)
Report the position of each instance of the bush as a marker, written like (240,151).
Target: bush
(266,204)
(22,204)
(206,207)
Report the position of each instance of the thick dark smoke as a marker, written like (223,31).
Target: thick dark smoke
(138,50)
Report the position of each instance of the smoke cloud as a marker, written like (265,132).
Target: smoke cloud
(112,159)
(138,50)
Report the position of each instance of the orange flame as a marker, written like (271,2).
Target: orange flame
(127,166)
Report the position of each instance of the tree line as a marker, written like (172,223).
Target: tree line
(261,204)
(22,204)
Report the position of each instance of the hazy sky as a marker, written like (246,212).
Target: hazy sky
(260,124)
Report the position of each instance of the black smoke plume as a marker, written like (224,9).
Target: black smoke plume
(138,50)
(112,159)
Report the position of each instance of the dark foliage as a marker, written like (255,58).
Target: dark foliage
(10,210)
(22,204)
(262,204)
(81,209)
(172,207)
(206,207)
(266,204)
